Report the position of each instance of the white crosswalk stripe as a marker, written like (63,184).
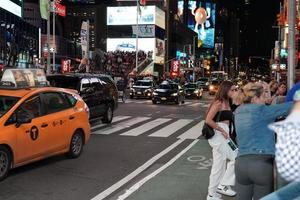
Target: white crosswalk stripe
(172,128)
(194,132)
(121,126)
(146,127)
(115,119)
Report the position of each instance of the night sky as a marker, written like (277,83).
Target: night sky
(257,37)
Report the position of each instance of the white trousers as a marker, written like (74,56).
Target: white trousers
(222,154)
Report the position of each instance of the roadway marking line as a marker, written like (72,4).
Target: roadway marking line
(120,126)
(172,128)
(136,172)
(135,187)
(195,104)
(145,127)
(115,119)
(194,132)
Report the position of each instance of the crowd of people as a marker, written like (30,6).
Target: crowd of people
(263,122)
(118,63)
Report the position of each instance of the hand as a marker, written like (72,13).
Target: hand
(225,134)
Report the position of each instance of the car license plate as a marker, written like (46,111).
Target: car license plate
(139,93)
(163,98)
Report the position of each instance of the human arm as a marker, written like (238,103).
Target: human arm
(273,111)
(214,108)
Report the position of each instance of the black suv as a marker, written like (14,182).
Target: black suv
(98,91)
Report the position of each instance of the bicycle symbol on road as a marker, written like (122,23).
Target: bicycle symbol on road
(201,161)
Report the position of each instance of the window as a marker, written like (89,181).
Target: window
(6,103)
(85,83)
(96,84)
(54,102)
(71,99)
(31,108)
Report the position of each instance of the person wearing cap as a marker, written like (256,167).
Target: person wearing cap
(287,153)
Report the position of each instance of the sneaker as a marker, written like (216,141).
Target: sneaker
(226,190)
(214,197)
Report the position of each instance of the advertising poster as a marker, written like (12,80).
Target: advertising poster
(205,29)
(126,15)
(159,51)
(129,44)
(10,6)
(24,77)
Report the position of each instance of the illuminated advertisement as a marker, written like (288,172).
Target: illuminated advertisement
(201,19)
(24,78)
(159,51)
(15,7)
(126,15)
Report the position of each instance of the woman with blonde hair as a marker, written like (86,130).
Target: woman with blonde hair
(254,163)
(220,118)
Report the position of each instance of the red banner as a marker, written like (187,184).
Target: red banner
(60,9)
(175,68)
(65,66)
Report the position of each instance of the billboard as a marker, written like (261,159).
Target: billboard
(15,7)
(126,15)
(206,30)
(151,46)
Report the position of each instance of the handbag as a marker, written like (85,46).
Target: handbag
(207,131)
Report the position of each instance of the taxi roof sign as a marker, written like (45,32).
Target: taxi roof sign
(23,78)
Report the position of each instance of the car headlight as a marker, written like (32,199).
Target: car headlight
(211,87)
(155,94)
(207,83)
(196,91)
(174,94)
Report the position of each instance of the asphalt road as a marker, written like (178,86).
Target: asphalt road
(142,138)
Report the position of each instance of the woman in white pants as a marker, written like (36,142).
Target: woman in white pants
(220,118)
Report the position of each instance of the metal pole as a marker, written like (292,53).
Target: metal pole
(194,58)
(137,37)
(54,42)
(40,44)
(291,41)
(48,39)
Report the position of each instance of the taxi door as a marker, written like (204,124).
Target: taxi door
(32,135)
(59,116)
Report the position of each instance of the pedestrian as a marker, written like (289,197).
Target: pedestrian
(287,153)
(220,118)
(273,87)
(255,162)
(280,94)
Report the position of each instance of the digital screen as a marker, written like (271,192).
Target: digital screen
(205,31)
(129,44)
(15,7)
(127,15)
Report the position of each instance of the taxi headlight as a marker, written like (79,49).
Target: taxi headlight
(174,94)
(211,87)
(155,94)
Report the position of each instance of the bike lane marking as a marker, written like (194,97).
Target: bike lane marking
(135,187)
(135,173)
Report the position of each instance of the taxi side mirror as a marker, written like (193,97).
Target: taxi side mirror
(22,118)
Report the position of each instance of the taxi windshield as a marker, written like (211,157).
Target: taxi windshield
(6,103)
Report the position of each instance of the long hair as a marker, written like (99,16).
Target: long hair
(222,94)
(249,91)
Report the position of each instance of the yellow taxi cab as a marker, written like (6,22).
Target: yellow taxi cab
(37,121)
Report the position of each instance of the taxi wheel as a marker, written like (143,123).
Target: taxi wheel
(109,114)
(5,162)
(76,145)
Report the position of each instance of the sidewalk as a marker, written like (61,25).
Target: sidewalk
(186,179)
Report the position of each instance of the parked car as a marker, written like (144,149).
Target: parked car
(168,92)
(98,91)
(193,90)
(38,121)
(203,82)
(142,88)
